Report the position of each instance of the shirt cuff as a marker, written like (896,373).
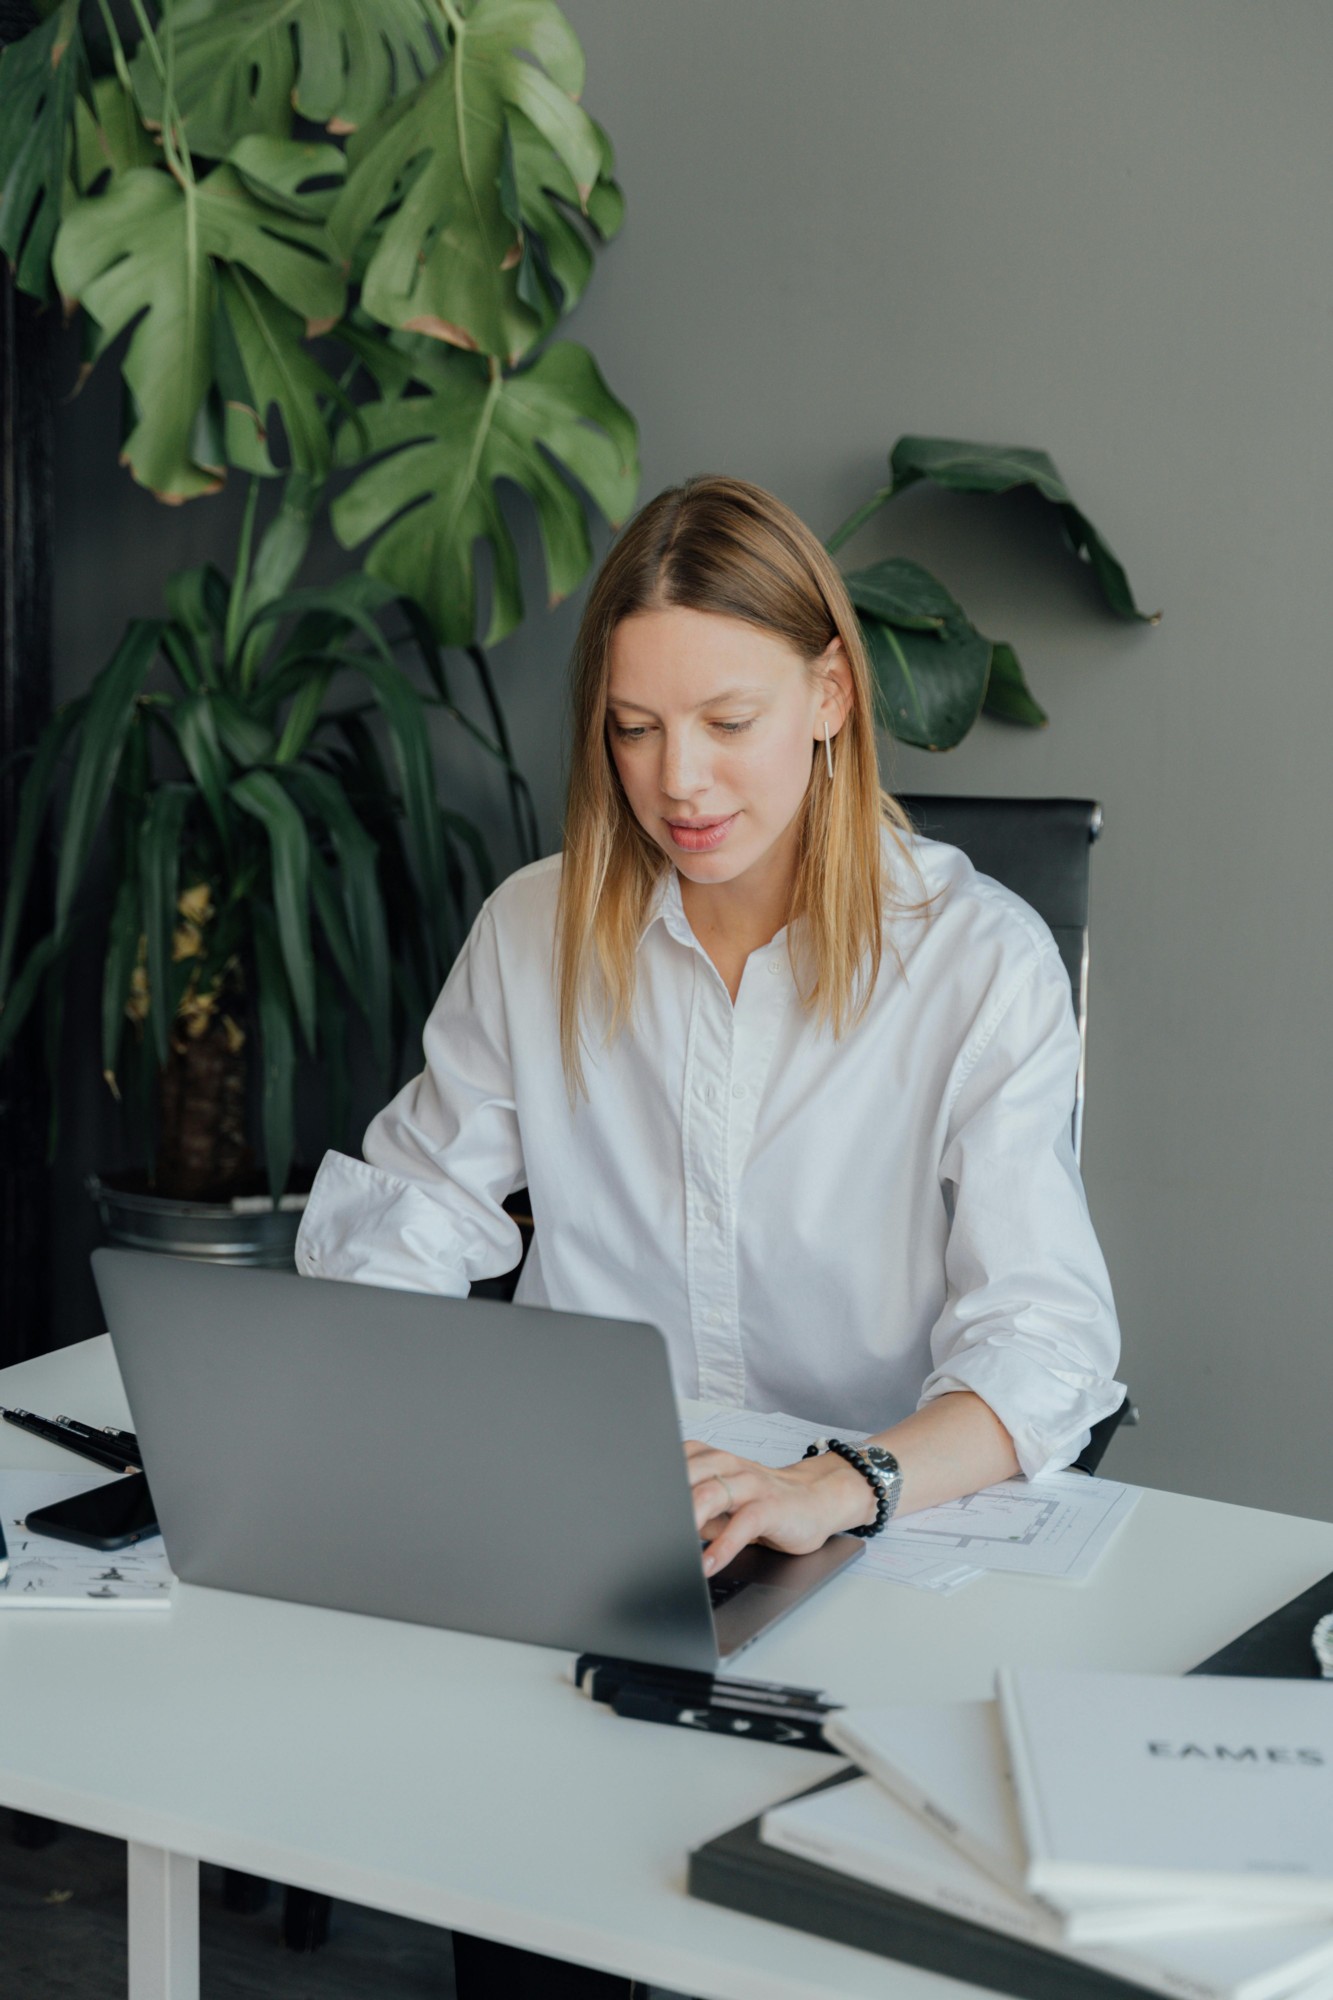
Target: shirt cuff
(373,1228)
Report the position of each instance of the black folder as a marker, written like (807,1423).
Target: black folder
(739,1871)
(1278,1647)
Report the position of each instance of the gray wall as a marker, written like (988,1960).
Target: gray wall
(1105,230)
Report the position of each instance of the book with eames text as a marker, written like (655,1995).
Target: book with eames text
(1149,1787)
(948,1762)
(860,1830)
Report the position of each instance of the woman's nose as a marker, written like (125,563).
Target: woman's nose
(683,773)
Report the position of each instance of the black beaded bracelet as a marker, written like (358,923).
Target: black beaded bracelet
(863,1466)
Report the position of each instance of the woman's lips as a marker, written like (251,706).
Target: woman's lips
(697,836)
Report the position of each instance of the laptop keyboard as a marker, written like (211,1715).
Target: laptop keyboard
(721,1589)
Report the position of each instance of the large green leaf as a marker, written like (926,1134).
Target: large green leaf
(540,200)
(363,907)
(901,592)
(146,252)
(433,497)
(108,134)
(263,364)
(962,467)
(105,724)
(122,953)
(261,794)
(931,683)
(196,730)
(447,258)
(1008,695)
(39,82)
(159,876)
(246,65)
(277,1050)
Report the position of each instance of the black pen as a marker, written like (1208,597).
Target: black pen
(81,1437)
(104,1435)
(599,1675)
(106,1455)
(762,1724)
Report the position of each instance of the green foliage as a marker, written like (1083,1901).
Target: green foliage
(935,671)
(225,750)
(431,498)
(456,203)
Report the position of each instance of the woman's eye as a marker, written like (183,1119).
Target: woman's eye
(627,735)
(733,728)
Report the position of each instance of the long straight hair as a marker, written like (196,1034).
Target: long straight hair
(724,546)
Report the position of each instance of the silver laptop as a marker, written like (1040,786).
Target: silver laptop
(492,1468)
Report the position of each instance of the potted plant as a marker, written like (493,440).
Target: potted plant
(333,245)
(936,673)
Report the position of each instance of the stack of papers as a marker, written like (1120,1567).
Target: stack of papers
(1058,1526)
(50,1575)
(1174,1833)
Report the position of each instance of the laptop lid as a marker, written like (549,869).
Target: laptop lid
(488,1467)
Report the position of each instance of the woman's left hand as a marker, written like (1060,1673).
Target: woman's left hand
(791,1507)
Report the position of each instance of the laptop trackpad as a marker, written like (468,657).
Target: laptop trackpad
(773,1585)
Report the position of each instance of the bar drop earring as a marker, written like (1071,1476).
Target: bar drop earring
(828,748)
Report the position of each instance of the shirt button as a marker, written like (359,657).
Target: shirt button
(713,1318)
(774,967)
(710,1213)
(738,1090)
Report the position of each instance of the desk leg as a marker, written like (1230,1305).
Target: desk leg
(164,1924)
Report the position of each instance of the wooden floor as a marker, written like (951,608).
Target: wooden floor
(62,1937)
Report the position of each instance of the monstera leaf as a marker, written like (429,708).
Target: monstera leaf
(39,82)
(433,496)
(962,467)
(441,176)
(931,664)
(150,250)
(241,66)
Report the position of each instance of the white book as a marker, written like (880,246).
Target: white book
(1158,1787)
(948,1762)
(861,1830)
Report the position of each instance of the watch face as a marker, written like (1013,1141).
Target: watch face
(883,1461)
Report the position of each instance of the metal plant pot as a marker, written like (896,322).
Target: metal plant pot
(248,1230)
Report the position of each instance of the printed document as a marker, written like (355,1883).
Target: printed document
(1057,1526)
(49,1575)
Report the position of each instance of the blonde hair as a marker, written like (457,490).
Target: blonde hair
(724,546)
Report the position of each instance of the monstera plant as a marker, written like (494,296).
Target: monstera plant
(935,672)
(328,245)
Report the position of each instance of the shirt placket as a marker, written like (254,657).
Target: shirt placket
(728,1052)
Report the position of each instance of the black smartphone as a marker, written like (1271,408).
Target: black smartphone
(107,1517)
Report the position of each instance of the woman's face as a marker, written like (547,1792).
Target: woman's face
(712,725)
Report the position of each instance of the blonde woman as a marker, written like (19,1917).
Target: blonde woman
(781,1079)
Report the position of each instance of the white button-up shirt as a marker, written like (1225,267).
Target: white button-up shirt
(838,1229)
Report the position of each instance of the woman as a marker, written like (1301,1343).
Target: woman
(780,1079)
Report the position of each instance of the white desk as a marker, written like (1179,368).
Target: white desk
(463,1782)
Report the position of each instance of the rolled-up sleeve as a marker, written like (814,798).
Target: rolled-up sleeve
(1029,1324)
(423,1210)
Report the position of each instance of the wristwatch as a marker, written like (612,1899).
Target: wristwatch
(887,1473)
(879,1468)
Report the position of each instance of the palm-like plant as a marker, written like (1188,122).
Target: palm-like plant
(332,242)
(272,868)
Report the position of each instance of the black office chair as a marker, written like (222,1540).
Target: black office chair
(1039,848)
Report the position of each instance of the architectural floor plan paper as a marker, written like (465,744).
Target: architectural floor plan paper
(1057,1526)
(50,1575)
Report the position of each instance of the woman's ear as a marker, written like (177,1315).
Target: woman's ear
(836,698)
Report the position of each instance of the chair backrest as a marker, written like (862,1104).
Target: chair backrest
(1039,848)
